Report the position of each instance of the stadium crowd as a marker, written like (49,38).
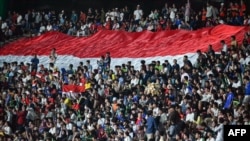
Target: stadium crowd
(162,101)
(85,23)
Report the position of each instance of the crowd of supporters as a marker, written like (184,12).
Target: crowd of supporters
(84,23)
(160,101)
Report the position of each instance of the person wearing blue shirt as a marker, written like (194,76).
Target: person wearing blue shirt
(229,99)
(246,99)
(151,126)
(34,63)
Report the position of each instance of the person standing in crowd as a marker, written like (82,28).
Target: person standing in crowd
(151,126)
(229,99)
(219,129)
(34,63)
(209,11)
(107,60)
(246,100)
(53,56)
(187,11)
(138,14)
(74,17)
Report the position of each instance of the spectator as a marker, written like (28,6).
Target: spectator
(138,13)
(151,126)
(34,63)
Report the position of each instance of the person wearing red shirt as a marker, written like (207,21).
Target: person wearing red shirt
(75,106)
(168,25)
(234,8)
(108,24)
(242,8)
(82,80)
(139,119)
(14,17)
(159,27)
(1,112)
(222,11)
(83,17)
(23,67)
(21,116)
(93,27)
(25,98)
(51,101)
(35,99)
(102,135)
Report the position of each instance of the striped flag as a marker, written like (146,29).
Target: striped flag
(123,46)
(72,90)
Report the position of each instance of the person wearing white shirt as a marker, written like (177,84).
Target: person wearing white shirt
(69,126)
(38,18)
(138,13)
(134,81)
(215,110)
(42,29)
(150,26)
(151,15)
(206,97)
(73,116)
(52,130)
(236,83)
(219,129)
(19,19)
(112,14)
(82,30)
(101,120)
(209,11)
(155,110)
(4,26)
(49,27)
(108,15)
(198,137)
(58,123)
(139,28)
(127,137)
(7,130)
(183,76)
(173,11)
(116,25)
(210,137)
(187,11)
(116,14)
(242,60)
(121,17)
(43,100)
(224,46)
(189,115)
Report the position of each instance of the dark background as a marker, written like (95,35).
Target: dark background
(68,5)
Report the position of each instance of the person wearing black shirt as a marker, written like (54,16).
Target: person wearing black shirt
(90,16)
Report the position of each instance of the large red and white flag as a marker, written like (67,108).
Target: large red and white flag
(123,46)
(72,90)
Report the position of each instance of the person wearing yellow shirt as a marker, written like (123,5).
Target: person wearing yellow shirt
(68,102)
(87,84)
